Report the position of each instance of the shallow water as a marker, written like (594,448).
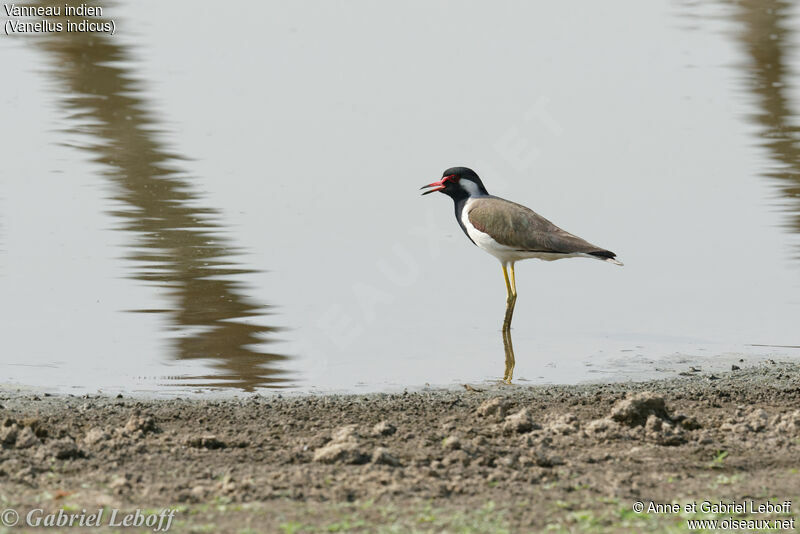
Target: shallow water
(218,199)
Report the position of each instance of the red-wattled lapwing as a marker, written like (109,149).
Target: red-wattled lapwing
(510,232)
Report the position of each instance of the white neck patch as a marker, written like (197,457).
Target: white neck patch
(469,186)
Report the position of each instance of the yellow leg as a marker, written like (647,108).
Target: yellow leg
(508,282)
(513,281)
(511,297)
(511,300)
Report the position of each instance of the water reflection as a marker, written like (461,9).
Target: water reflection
(508,346)
(179,245)
(766,35)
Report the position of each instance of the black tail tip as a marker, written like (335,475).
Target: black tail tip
(604,254)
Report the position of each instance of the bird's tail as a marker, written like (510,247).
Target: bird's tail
(606,255)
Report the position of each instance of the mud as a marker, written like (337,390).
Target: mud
(479,459)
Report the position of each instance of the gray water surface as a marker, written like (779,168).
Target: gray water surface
(206,199)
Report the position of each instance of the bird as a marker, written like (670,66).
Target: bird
(510,232)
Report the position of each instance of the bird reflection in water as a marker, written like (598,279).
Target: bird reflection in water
(179,245)
(509,348)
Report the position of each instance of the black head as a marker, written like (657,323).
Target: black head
(458,183)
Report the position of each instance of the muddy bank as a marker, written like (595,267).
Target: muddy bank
(481,459)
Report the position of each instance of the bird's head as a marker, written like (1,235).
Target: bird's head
(457,183)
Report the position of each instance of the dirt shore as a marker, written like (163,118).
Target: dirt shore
(488,459)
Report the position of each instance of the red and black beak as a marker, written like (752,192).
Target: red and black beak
(437,186)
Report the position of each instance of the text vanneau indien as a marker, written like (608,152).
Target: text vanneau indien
(83,10)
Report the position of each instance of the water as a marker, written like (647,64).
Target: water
(211,199)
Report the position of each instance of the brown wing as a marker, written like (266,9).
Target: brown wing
(519,227)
